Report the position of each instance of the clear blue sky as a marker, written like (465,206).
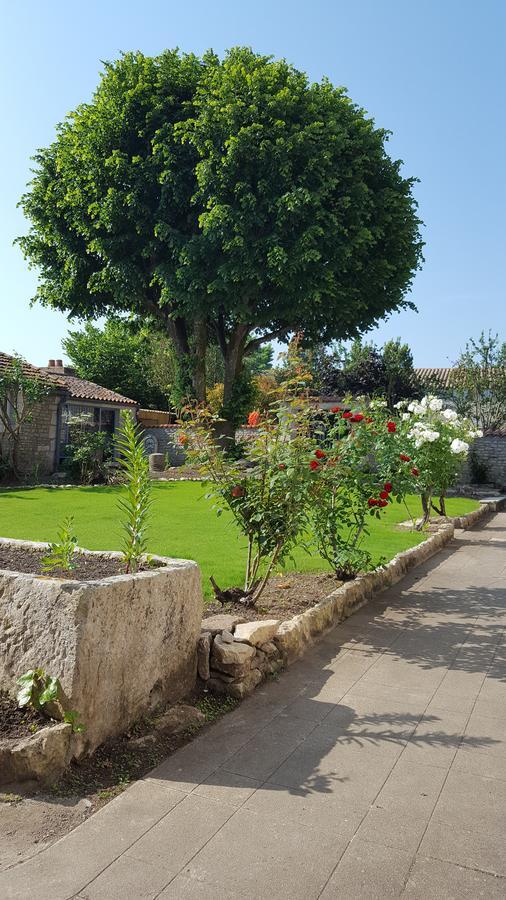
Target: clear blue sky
(432,71)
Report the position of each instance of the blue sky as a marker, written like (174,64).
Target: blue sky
(432,71)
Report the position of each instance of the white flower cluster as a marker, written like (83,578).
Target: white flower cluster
(434,421)
(421,433)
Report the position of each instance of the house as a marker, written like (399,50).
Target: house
(44,438)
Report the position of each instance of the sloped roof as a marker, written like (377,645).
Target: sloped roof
(79,389)
(440,376)
(30,371)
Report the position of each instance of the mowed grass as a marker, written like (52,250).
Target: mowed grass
(183,524)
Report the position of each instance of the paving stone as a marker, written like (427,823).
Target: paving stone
(466,847)
(431,878)
(470,798)
(227,787)
(278,861)
(368,872)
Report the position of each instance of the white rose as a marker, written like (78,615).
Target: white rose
(432,436)
(458,446)
(405,416)
(435,404)
(450,415)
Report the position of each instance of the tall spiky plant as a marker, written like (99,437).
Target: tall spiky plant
(136,503)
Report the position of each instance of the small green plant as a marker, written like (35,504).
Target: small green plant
(72,718)
(134,467)
(44,693)
(36,689)
(61,553)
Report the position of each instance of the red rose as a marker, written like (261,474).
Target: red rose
(384,495)
(414,471)
(319,454)
(368,420)
(335,409)
(282,466)
(391,427)
(404,457)
(314,465)
(237,491)
(357,417)
(372,501)
(253,419)
(382,503)
(347,415)
(388,486)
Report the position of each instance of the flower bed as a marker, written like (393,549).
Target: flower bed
(235,656)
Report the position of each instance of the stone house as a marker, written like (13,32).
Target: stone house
(44,438)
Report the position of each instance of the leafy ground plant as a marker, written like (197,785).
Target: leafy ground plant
(136,503)
(44,693)
(60,555)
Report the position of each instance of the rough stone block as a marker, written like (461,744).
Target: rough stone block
(41,756)
(256,633)
(203,654)
(221,622)
(179,718)
(231,655)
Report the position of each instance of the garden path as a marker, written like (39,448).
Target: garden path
(375,767)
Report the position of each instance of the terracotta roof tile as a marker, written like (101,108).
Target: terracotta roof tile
(31,371)
(80,389)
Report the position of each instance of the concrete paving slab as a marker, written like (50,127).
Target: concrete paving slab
(367,872)
(431,878)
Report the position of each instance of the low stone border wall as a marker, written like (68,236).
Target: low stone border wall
(235,656)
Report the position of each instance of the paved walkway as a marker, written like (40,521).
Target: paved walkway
(375,767)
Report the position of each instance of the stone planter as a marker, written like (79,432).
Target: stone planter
(39,757)
(121,645)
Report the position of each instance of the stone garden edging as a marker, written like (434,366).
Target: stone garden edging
(235,656)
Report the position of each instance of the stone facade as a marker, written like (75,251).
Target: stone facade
(121,646)
(37,445)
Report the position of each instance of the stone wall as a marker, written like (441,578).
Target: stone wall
(489,452)
(121,646)
(163,439)
(37,446)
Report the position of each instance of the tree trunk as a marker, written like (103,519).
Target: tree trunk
(426,505)
(199,360)
(233,357)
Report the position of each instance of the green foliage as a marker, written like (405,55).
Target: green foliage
(87,454)
(44,693)
(21,390)
(478,386)
(135,505)
(36,689)
(60,555)
(363,369)
(230,201)
(136,362)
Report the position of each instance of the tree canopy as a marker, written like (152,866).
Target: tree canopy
(230,201)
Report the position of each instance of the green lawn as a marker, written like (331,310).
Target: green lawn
(183,524)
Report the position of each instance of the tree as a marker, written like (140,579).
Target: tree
(22,388)
(232,201)
(478,385)
(136,363)
(364,369)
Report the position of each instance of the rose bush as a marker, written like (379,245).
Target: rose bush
(437,440)
(357,471)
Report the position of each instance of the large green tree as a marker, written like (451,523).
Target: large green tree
(231,201)
(137,363)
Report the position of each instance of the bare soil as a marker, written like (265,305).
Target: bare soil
(87,568)
(18,723)
(284,596)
